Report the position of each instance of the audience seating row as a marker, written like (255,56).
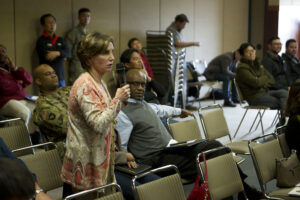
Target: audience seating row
(47,165)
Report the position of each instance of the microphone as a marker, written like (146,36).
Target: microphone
(121,76)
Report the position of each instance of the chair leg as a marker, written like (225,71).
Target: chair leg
(262,128)
(213,95)
(260,119)
(254,120)
(275,118)
(240,123)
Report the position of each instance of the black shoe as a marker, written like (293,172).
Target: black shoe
(229,103)
(252,193)
(236,101)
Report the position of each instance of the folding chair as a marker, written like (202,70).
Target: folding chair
(99,190)
(220,170)
(200,66)
(16,136)
(264,155)
(215,126)
(46,165)
(185,130)
(166,188)
(280,132)
(260,113)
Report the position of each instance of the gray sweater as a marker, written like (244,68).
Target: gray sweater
(149,135)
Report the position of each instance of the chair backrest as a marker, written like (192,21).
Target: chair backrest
(116,195)
(200,65)
(46,165)
(185,130)
(264,156)
(284,146)
(16,137)
(213,122)
(166,188)
(223,176)
(280,132)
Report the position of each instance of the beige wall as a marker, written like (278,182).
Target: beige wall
(219,25)
(257,26)
(7,26)
(235,24)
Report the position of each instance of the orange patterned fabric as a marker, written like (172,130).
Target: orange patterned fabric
(89,157)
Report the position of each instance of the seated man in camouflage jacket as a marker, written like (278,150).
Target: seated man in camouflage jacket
(50,114)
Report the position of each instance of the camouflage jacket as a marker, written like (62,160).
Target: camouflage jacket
(51,114)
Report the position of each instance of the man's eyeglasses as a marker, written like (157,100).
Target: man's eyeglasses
(136,84)
(250,51)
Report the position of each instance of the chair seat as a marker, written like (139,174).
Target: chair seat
(240,147)
(283,193)
(238,159)
(257,107)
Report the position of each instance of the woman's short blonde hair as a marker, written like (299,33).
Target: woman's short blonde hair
(91,45)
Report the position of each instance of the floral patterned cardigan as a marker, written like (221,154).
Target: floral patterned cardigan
(89,158)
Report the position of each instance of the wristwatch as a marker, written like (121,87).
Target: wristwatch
(38,191)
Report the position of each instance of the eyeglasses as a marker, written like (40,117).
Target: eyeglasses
(250,51)
(136,84)
(277,43)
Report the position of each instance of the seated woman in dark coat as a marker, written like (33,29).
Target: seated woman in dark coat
(255,82)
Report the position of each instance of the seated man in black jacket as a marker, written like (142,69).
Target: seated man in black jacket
(132,60)
(273,62)
(291,60)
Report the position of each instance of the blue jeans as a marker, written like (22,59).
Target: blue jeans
(226,86)
(61,83)
(124,180)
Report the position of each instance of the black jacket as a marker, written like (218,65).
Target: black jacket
(277,67)
(293,66)
(43,45)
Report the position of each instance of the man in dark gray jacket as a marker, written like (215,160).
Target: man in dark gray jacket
(291,60)
(222,68)
(276,65)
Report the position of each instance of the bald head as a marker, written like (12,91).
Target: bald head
(136,78)
(46,78)
(39,69)
(134,74)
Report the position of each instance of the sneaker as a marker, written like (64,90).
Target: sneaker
(229,103)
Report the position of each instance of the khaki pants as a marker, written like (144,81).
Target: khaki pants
(22,109)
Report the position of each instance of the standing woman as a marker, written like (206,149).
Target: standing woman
(293,112)
(89,157)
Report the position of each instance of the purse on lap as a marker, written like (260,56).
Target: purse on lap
(200,192)
(288,171)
